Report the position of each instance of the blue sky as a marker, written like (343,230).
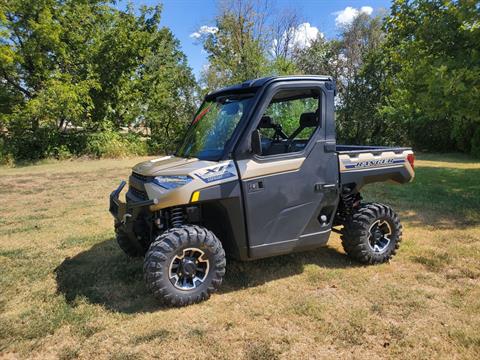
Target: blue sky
(184,17)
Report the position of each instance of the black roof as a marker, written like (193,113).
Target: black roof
(256,83)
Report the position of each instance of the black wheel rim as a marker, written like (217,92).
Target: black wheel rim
(379,236)
(189,269)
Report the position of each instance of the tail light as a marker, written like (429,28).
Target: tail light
(411,160)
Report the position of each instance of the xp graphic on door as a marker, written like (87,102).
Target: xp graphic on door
(258,174)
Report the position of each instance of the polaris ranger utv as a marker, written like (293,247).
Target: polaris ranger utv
(259,174)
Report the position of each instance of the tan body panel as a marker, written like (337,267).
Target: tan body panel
(198,170)
(248,169)
(365,158)
(164,164)
(170,165)
(251,169)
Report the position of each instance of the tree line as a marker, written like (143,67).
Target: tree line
(86,78)
(73,73)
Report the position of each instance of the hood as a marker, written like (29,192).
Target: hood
(170,165)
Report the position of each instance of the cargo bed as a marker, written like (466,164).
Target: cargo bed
(361,165)
(355,149)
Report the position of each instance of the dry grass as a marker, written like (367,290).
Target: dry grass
(67,291)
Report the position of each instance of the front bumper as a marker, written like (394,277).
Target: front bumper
(120,210)
(117,207)
(126,213)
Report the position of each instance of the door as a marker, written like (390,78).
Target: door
(290,189)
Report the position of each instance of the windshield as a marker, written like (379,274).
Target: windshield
(213,127)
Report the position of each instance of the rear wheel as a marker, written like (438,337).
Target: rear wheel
(184,265)
(372,234)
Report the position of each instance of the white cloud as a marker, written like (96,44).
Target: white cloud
(304,34)
(367,10)
(347,15)
(204,30)
(299,37)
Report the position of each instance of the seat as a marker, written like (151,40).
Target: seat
(307,120)
(266,122)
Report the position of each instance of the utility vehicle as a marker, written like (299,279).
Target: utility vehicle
(259,174)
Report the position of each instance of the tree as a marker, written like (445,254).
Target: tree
(283,33)
(83,64)
(170,94)
(360,81)
(433,58)
(290,37)
(235,46)
(322,57)
(352,60)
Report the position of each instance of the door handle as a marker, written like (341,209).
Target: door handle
(321,187)
(255,186)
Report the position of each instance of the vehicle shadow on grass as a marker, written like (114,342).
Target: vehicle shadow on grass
(104,275)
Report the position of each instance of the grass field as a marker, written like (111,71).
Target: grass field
(67,291)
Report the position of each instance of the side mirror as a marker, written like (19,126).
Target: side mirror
(256,143)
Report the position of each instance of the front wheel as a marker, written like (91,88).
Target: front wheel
(372,234)
(184,265)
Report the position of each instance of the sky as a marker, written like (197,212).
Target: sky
(187,19)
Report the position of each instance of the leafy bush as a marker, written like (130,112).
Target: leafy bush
(28,145)
(5,157)
(113,144)
(47,143)
(62,152)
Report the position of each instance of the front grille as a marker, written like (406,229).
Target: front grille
(138,193)
(136,188)
(140,177)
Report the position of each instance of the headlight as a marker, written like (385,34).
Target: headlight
(172,182)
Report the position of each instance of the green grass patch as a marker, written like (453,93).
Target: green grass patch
(85,240)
